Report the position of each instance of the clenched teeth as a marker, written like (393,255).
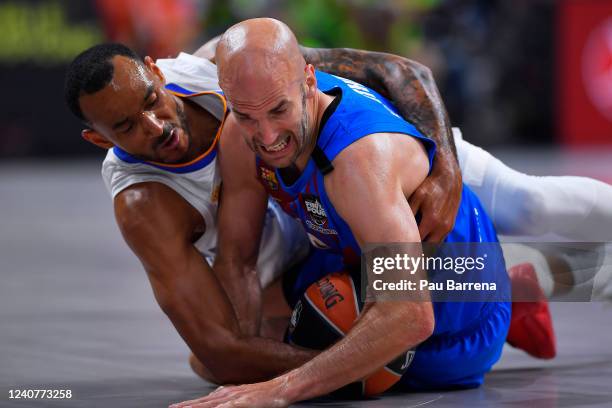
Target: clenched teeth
(277,147)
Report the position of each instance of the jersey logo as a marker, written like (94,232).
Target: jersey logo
(315,209)
(317,217)
(268,176)
(408,361)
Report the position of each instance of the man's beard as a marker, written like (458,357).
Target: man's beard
(301,141)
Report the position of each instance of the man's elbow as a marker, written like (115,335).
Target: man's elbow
(418,69)
(215,347)
(426,323)
(223,359)
(403,68)
(420,324)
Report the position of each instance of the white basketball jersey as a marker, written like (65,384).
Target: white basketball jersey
(199,181)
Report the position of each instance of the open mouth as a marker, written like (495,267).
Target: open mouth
(171,141)
(278,146)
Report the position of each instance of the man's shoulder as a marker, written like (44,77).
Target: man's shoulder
(153,211)
(118,174)
(199,187)
(381,152)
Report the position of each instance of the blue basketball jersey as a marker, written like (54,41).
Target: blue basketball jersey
(355,113)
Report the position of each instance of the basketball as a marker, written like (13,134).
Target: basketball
(324,314)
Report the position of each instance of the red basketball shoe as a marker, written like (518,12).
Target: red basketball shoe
(531,327)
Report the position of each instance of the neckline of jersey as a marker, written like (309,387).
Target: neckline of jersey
(199,162)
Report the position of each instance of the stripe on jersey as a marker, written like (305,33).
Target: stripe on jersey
(199,162)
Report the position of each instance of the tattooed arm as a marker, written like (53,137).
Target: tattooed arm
(411,87)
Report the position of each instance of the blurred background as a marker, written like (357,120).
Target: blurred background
(530,80)
(512,73)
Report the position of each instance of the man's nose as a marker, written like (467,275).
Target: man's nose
(152,125)
(267,133)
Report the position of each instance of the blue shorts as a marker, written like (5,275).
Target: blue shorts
(460,360)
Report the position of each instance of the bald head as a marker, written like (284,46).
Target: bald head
(272,91)
(260,49)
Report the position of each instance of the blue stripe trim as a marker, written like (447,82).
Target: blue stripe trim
(179,89)
(200,164)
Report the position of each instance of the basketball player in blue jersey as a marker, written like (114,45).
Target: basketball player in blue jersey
(346,154)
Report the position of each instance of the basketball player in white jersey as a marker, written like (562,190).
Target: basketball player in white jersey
(161,169)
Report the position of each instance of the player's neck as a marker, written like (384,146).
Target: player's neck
(320,104)
(324,100)
(203,127)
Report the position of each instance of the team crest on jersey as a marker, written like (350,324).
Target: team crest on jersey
(315,209)
(317,217)
(269,177)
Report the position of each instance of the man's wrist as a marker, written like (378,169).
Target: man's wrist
(293,386)
(446,167)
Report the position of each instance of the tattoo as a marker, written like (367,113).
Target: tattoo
(408,84)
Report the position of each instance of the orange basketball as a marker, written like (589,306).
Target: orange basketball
(324,314)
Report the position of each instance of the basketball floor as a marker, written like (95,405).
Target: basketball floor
(77,312)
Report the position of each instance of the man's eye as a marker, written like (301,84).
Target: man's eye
(128,129)
(279,111)
(153,101)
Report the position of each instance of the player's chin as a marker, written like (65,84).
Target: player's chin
(175,155)
(170,157)
(279,163)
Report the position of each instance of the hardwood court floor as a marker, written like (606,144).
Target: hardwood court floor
(77,312)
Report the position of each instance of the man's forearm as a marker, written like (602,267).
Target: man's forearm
(251,358)
(241,284)
(408,84)
(213,335)
(377,338)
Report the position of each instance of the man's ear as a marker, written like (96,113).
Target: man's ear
(148,61)
(311,81)
(96,138)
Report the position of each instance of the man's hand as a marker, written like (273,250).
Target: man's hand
(437,200)
(269,394)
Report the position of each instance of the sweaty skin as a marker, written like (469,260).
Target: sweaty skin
(270,109)
(143,114)
(413,90)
